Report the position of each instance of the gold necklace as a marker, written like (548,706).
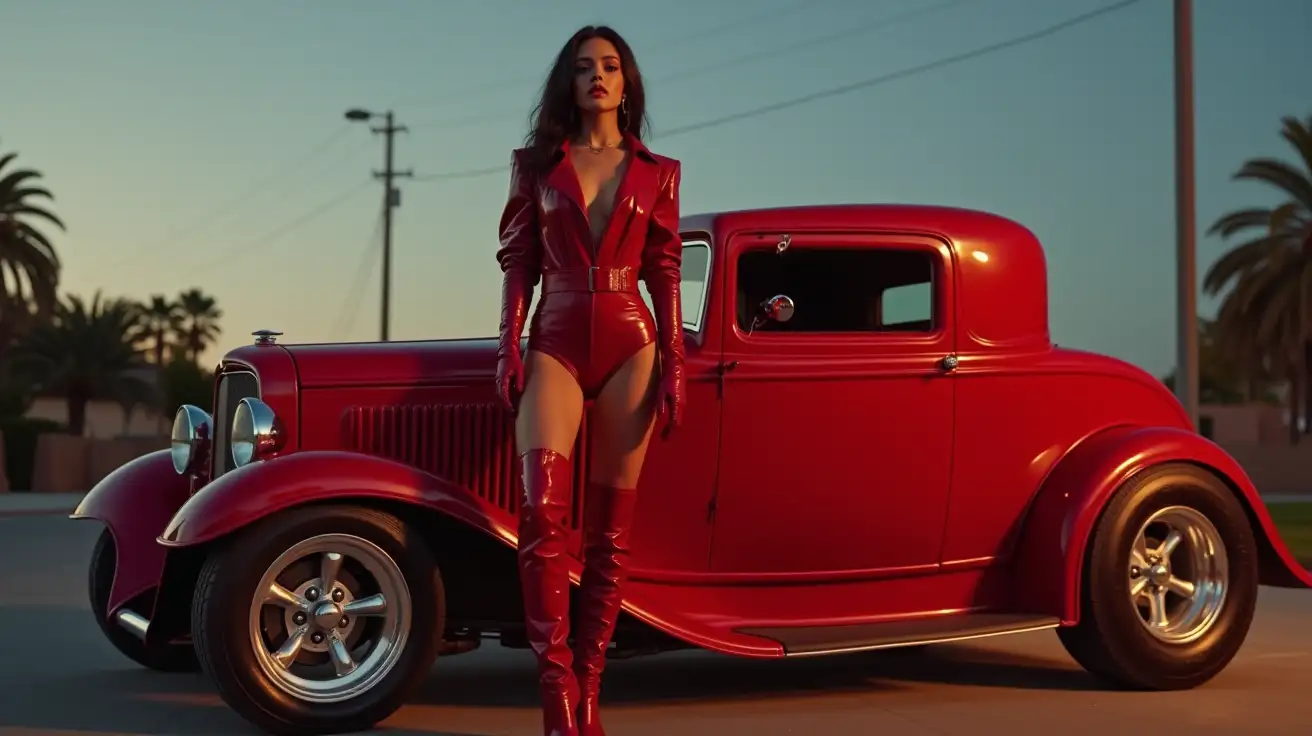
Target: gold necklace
(600,149)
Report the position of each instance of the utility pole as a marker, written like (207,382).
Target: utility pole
(1186,371)
(391,200)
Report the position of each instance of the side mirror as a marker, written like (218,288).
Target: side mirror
(778,308)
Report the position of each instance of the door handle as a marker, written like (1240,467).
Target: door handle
(948,363)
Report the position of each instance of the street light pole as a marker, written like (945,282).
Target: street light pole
(1186,371)
(391,200)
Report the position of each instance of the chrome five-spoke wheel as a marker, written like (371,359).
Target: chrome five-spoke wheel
(1178,574)
(320,619)
(1169,583)
(333,617)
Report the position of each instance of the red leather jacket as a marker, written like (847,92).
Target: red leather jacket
(545,236)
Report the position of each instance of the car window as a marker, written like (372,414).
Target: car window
(695,272)
(839,289)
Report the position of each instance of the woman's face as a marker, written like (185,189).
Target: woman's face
(598,78)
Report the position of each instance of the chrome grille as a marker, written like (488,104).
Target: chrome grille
(233,387)
(469,444)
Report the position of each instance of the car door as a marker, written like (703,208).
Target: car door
(837,426)
(672,526)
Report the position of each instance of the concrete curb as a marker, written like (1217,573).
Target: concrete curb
(35,512)
(38,504)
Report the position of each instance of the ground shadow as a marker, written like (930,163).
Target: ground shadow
(73,680)
(702,677)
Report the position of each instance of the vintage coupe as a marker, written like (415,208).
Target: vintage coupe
(882,448)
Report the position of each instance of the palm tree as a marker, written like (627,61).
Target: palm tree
(1225,374)
(86,353)
(29,265)
(159,321)
(1268,309)
(199,328)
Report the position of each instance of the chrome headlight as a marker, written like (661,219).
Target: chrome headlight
(190,441)
(255,432)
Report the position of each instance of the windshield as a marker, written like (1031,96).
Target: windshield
(695,272)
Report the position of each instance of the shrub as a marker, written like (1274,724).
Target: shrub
(21,435)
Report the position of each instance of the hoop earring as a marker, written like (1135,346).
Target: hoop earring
(624,108)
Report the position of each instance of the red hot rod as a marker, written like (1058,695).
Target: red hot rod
(882,448)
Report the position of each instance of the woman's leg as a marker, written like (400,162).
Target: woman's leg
(546,430)
(621,427)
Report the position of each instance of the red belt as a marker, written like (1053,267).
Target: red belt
(590,280)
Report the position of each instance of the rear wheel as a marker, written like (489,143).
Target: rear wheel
(100,578)
(319,620)
(1169,583)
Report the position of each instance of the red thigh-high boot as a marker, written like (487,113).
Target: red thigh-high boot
(607,517)
(544,579)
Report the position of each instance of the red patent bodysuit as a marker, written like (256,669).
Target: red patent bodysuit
(592,319)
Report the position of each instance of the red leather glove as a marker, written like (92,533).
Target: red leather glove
(662,261)
(520,256)
(515,296)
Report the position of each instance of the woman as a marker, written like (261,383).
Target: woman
(590,211)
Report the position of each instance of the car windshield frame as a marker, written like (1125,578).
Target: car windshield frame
(698,319)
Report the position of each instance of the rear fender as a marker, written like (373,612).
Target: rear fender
(248,494)
(1051,551)
(136,502)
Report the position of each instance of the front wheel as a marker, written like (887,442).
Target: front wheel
(319,620)
(100,577)
(1169,583)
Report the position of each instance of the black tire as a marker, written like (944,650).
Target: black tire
(221,609)
(100,577)
(1110,639)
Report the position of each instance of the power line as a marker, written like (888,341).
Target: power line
(676,42)
(841,90)
(231,205)
(231,256)
(351,303)
(771,52)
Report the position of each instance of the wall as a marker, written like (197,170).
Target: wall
(1244,424)
(105,419)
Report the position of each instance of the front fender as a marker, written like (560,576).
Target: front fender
(255,491)
(136,502)
(1051,551)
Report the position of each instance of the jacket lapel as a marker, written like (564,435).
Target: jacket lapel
(563,179)
(635,195)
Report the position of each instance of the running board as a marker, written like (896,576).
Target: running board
(806,641)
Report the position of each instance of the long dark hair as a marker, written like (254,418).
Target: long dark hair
(556,117)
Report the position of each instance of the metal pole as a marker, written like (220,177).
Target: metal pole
(391,200)
(385,312)
(1186,372)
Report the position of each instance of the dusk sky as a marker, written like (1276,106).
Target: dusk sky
(190,143)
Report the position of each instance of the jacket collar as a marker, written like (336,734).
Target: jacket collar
(631,142)
(641,174)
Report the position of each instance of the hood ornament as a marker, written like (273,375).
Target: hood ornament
(266,337)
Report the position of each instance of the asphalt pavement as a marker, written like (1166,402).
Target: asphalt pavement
(61,678)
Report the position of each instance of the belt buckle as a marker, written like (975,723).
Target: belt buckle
(592,279)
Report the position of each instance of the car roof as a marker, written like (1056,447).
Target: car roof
(1000,272)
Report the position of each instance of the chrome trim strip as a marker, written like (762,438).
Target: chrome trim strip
(926,640)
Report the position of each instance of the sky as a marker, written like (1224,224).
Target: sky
(203,144)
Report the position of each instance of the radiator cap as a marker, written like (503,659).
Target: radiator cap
(266,337)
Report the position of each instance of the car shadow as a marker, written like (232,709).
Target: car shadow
(73,681)
(688,677)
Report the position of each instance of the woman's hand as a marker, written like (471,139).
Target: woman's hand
(510,370)
(671,395)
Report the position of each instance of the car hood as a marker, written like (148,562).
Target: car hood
(395,363)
